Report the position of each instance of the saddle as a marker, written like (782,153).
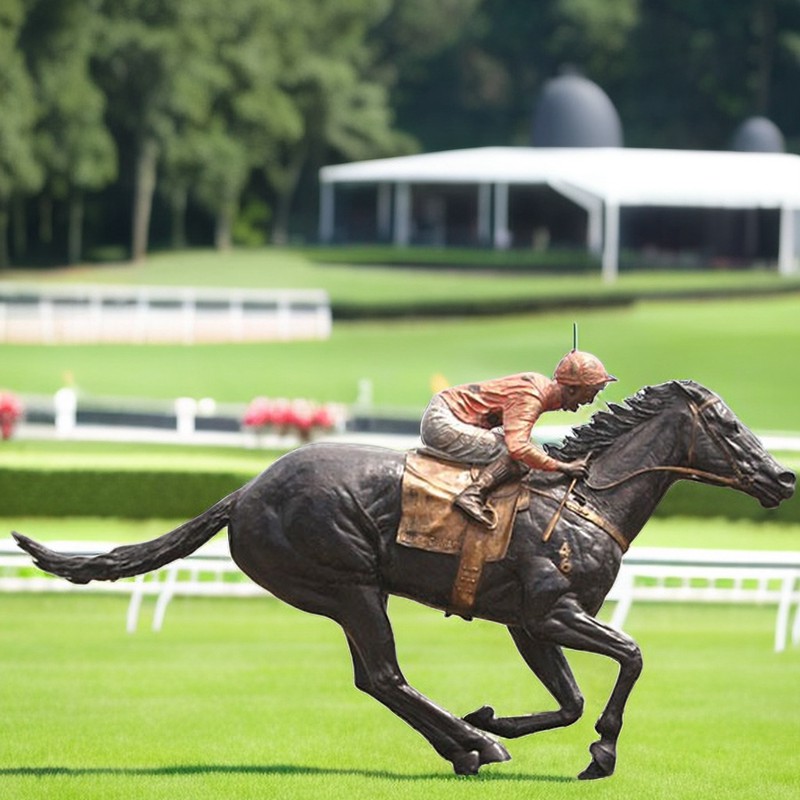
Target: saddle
(430,522)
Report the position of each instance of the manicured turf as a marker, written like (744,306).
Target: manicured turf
(54,454)
(251,699)
(248,698)
(360,283)
(738,348)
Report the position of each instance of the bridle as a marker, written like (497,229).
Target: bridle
(739,480)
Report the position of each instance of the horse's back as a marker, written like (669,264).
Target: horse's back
(323,512)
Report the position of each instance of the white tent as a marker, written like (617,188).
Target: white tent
(601,180)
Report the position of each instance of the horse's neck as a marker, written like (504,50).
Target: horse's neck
(634,495)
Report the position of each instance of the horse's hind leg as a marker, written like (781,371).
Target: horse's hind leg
(369,634)
(549,664)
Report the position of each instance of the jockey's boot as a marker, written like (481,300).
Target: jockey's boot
(472,501)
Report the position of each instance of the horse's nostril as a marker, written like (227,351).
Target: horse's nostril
(787,479)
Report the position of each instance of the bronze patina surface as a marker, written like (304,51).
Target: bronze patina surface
(430,522)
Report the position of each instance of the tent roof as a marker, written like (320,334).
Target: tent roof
(621,176)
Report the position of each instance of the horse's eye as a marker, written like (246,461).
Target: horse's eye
(730,425)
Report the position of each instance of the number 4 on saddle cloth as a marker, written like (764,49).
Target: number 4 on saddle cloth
(430,521)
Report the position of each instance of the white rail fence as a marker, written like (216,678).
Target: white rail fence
(662,575)
(669,575)
(139,315)
(69,415)
(208,572)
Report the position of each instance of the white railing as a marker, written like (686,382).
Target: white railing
(96,313)
(712,576)
(17,573)
(184,420)
(208,572)
(647,575)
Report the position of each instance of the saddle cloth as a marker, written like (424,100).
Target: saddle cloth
(430,522)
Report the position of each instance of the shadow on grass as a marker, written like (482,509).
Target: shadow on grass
(267,769)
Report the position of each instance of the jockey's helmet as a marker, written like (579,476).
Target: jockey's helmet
(581,369)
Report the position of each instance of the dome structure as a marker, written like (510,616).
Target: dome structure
(573,111)
(758,135)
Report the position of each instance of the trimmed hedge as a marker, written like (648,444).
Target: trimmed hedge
(687,499)
(184,493)
(466,259)
(493,307)
(113,493)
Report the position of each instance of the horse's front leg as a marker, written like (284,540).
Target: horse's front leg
(567,624)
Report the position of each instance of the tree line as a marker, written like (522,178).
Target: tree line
(130,123)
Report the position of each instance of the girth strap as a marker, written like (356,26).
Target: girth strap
(585,511)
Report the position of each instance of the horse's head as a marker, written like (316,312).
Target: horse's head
(722,447)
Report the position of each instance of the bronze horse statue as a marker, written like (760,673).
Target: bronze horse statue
(317,529)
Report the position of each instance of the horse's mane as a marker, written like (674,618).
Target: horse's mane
(606,426)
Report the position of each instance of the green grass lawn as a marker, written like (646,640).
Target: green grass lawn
(349,280)
(725,343)
(741,349)
(737,347)
(252,699)
(55,454)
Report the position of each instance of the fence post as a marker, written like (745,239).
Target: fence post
(66,407)
(185,413)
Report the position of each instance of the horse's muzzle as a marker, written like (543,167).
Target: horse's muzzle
(779,489)
(787,480)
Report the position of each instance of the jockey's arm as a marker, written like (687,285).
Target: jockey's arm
(518,421)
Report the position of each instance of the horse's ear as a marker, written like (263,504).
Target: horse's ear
(692,390)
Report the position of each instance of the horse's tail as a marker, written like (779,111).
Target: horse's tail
(133,559)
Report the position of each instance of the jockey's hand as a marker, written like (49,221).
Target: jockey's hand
(575,469)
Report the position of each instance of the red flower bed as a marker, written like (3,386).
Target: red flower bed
(285,417)
(11,411)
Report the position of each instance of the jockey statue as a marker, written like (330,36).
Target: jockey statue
(490,423)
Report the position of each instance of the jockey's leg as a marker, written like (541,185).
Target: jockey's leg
(472,501)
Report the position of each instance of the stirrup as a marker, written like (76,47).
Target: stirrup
(485,514)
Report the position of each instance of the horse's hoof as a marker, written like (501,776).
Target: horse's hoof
(494,753)
(604,759)
(592,773)
(480,718)
(467,763)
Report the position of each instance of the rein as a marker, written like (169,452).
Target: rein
(738,480)
(691,472)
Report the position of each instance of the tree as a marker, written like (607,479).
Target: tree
(248,116)
(156,81)
(19,172)
(464,69)
(328,61)
(72,144)
(595,36)
(778,30)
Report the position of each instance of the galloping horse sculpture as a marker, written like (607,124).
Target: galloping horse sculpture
(317,529)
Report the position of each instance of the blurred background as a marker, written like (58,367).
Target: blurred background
(166,170)
(180,303)
(139,125)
